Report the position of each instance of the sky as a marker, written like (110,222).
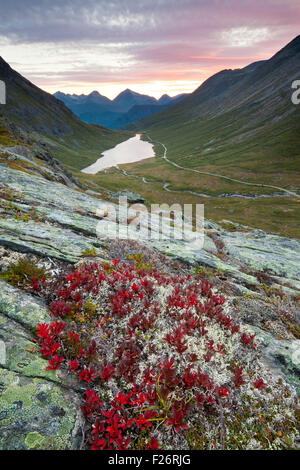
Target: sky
(150,46)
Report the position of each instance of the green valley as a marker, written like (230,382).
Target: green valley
(240,124)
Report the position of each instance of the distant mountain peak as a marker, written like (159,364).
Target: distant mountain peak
(165,98)
(95,93)
(125,93)
(293,43)
(96,96)
(127,107)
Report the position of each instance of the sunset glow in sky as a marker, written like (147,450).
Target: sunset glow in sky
(149,46)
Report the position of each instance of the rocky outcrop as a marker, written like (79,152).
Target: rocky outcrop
(39,408)
(72,225)
(132,197)
(36,155)
(281,356)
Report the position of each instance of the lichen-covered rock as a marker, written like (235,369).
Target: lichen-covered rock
(37,408)
(282,356)
(43,239)
(71,225)
(36,413)
(262,251)
(20,151)
(132,197)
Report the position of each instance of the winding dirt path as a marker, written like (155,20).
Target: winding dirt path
(261,185)
(166,184)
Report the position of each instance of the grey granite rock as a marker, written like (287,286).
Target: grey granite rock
(281,356)
(37,409)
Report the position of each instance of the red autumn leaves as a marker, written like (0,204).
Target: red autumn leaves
(171,387)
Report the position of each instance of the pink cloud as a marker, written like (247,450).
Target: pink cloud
(164,40)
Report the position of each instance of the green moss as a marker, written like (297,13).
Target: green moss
(34,440)
(203,272)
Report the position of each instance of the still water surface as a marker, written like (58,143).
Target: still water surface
(132,150)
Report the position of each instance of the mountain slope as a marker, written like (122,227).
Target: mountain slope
(141,111)
(237,120)
(73,100)
(136,113)
(128,98)
(127,107)
(40,117)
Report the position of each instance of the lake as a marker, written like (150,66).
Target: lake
(132,150)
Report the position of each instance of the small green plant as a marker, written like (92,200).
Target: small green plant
(248,295)
(89,252)
(139,263)
(203,272)
(9,194)
(292,327)
(87,313)
(35,215)
(23,273)
(17,212)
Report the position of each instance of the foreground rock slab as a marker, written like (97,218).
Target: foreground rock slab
(70,224)
(37,409)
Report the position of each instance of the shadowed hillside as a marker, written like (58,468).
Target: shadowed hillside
(34,115)
(238,120)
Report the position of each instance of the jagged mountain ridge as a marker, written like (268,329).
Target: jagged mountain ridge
(124,109)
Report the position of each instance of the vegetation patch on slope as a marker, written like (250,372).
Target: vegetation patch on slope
(163,362)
